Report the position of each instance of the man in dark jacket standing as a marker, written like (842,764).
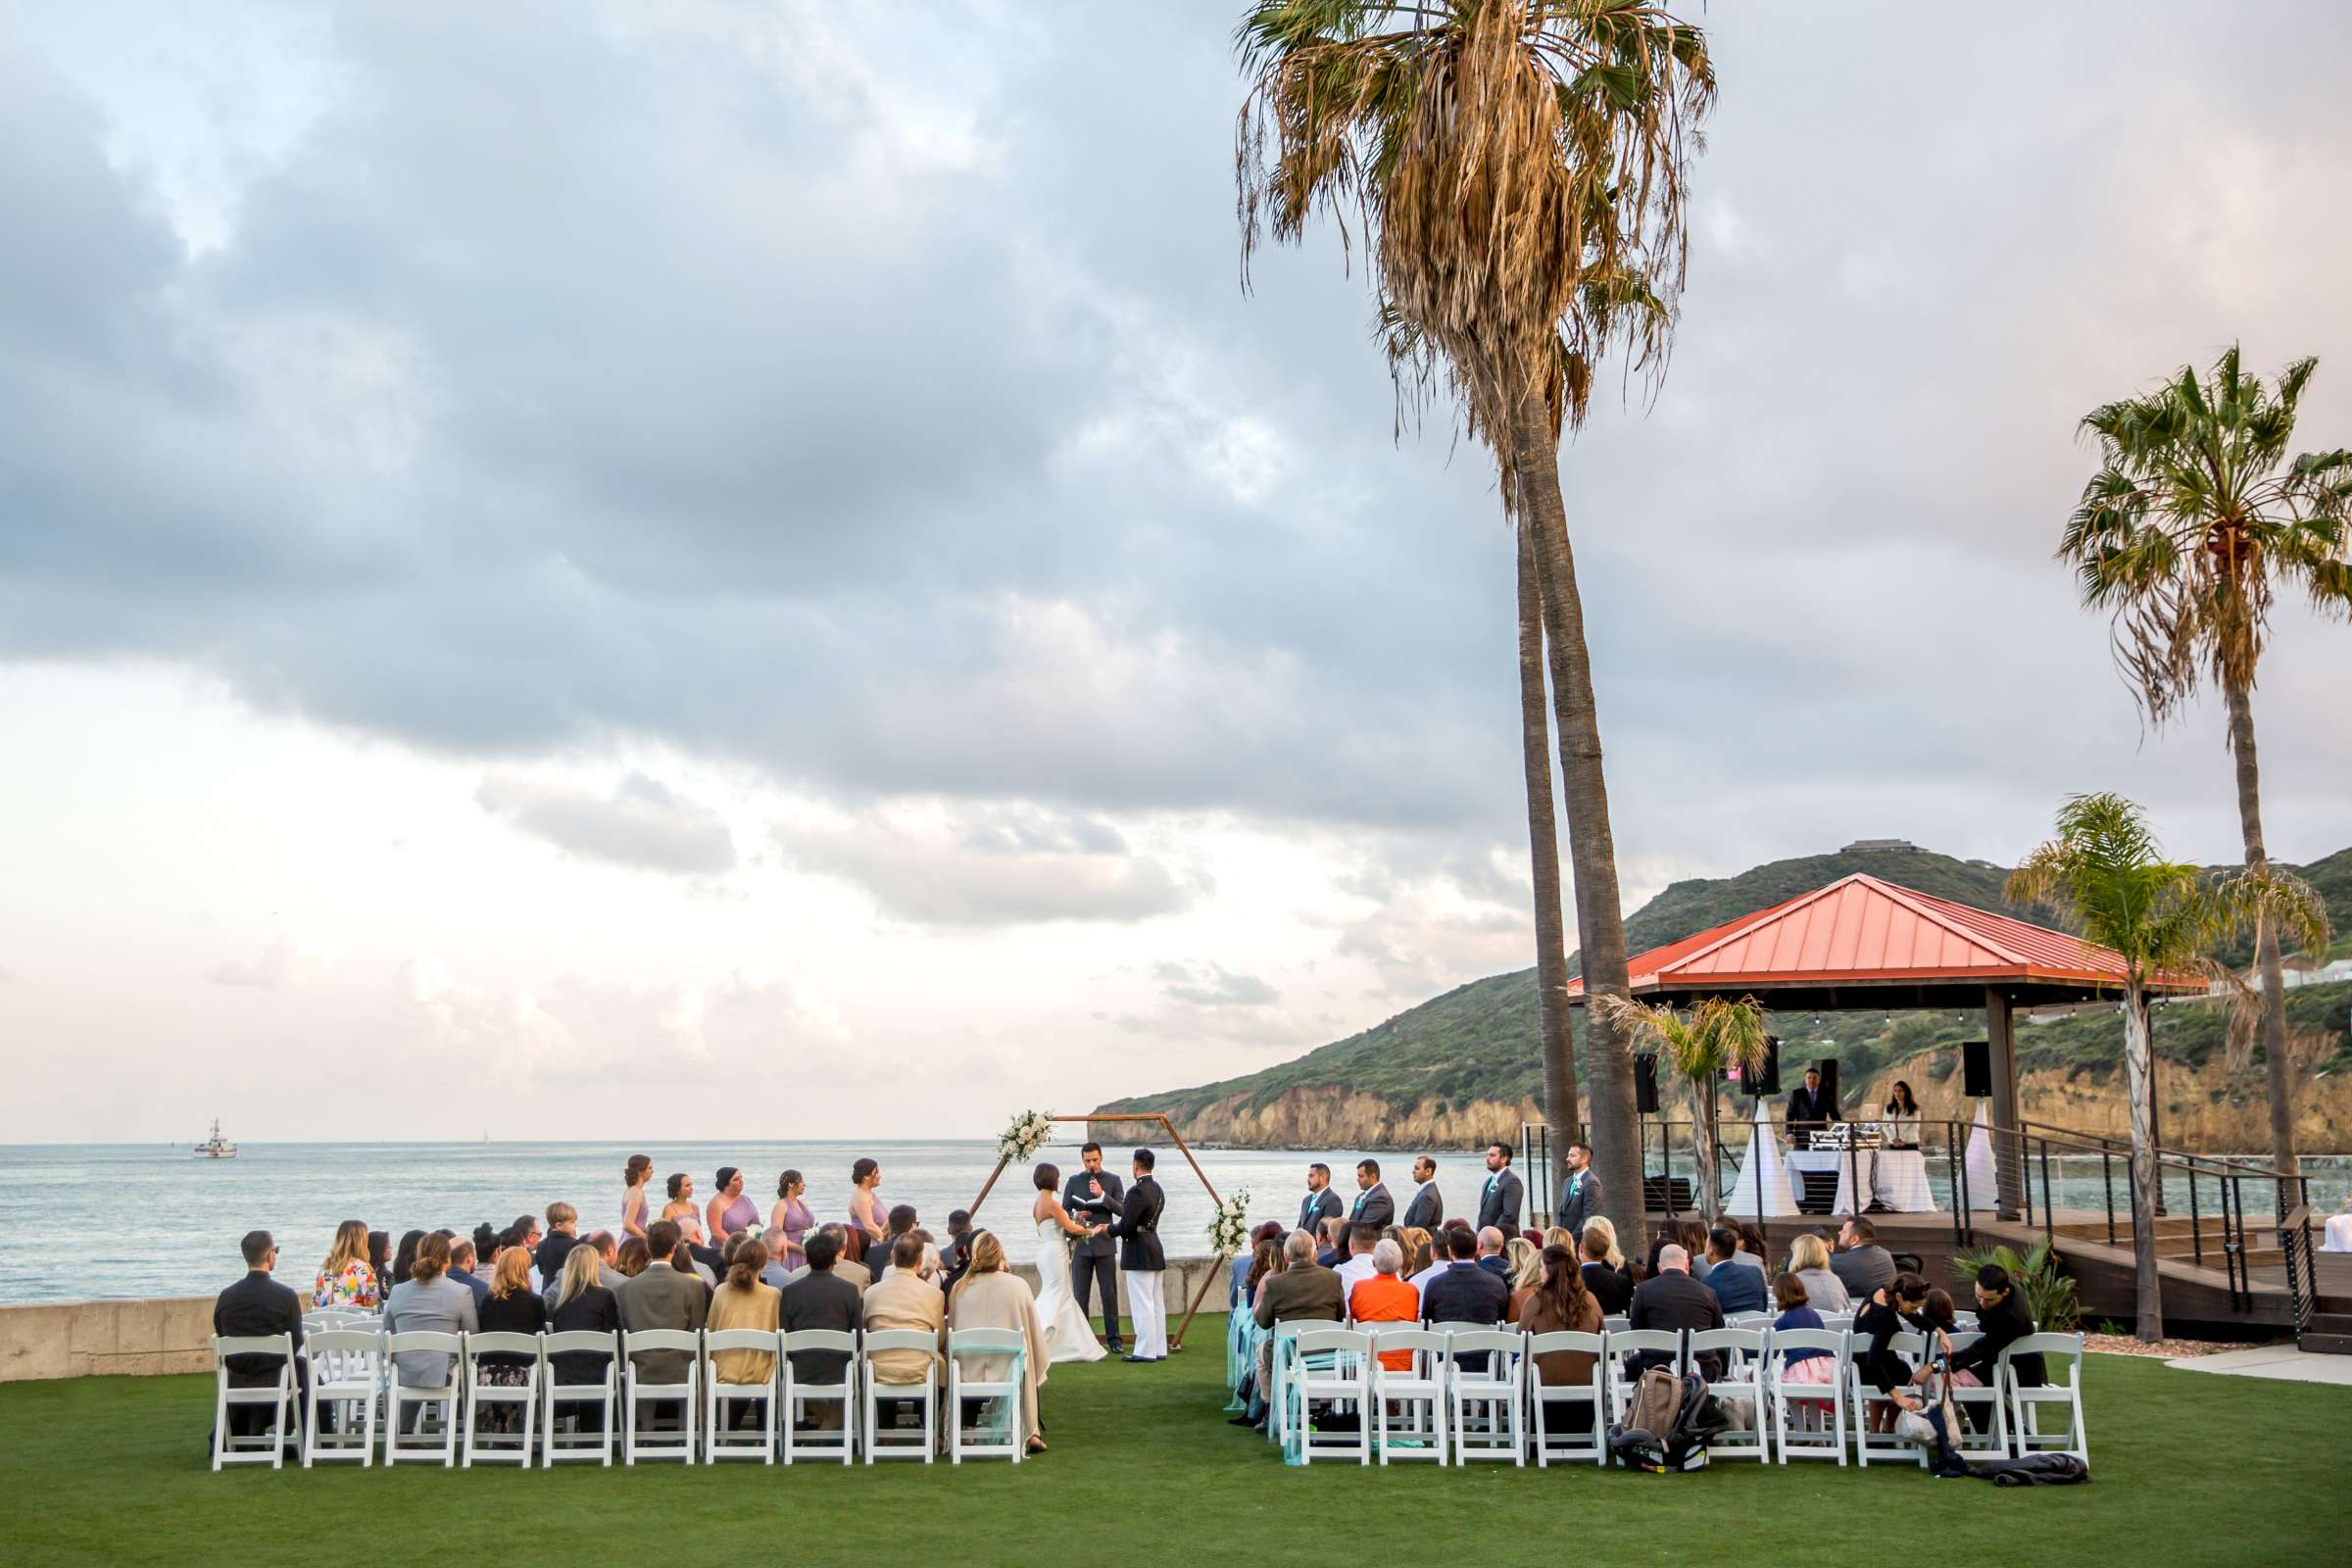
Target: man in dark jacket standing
(1141,1259)
(1094,1196)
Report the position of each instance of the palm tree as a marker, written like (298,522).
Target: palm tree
(1543,856)
(1517,171)
(1713,1038)
(2194,520)
(2105,872)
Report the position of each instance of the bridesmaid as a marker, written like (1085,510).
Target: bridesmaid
(632,1201)
(729,1210)
(865,1209)
(793,1217)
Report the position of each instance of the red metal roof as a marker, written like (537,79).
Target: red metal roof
(1859,931)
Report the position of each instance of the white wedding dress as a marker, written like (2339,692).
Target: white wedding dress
(1069,1336)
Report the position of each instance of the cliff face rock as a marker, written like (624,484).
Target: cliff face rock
(1327,1116)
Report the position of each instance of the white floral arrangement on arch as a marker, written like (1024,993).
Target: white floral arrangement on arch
(1229,1232)
(1030,1132)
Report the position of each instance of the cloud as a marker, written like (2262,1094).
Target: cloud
(937,864)
(282,963)
(641,823)
(1212,985)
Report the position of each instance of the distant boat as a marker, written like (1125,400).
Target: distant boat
(215,1146)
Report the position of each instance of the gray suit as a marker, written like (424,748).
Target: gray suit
(1317,1208)
(439,1306)
(1372,1206)
(661,1298)
(1579,1201)
(1499,1199)
(1426,1211)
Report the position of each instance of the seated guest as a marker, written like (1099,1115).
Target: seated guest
(776,1273)
(1736,1289)
(953,1253)
(903,1300)
(688,1260)
(1560,1304)
(1753,1248)
(380,1258)
(1809,1261)
(563,1234)
(1861,1263)
(1796,1313)
(818,1298)
(1692,1236)
(1526,1264)
(846,1266)
(880,1255)
(1466,1292)
(1265,1258)
(512,1306)
(991,1295)
(524,1232)
(347,1279)
(1242,1270)
(256,1307)
(1672,1300)
(1488,1244)
(1895,1307)
(584,1305)
(1304,1290)
(1380,1297)
(745,1302)
(2002,1319)
(1610,1284)
(663,1297)
(1420,1256)
(1356,1267)
(429,1302)
(1334,1250)
(463,1255)
(630,1258)
(487,1240)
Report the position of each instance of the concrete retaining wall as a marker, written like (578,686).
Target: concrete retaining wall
(173,1333)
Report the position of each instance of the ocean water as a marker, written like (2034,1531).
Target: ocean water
(86,1221)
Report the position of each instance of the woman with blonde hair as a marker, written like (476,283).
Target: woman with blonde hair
(1524,1263)
(347,1279)
(990,1295)
(1615,1255)
(584,1305)
(1809,1261)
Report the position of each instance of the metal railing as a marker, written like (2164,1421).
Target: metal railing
(2302,1266)
(1661,1190)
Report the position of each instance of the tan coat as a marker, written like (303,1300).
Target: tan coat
(1003,1301)
(906,1302)
(755,1308)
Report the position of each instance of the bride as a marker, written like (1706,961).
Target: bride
(1069,1335)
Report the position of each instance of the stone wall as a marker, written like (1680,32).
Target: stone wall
(173,1333)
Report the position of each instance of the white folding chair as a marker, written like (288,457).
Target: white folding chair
(346,1382)
(1908,1347)
(1489,1395)
(1616,1323)
(562,1400)
(818,1443)
(641,1388)
(721,1437)
(1987,1401)
(1545,1397)
(426,1400)
(1965,1320)
(482,1440)
(1331,1364)
(1743,1351)
(1624,1345)
(2026,1398)
(276,1395)
(1810,1401)
(924,1393)
(997,1391)
(1419,1388)
(1280,1356)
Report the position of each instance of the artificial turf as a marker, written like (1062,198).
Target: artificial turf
(2190,1469)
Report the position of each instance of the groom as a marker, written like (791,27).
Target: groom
(1139,1257)
(1094,1196)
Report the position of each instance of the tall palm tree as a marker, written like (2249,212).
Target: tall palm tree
(1517,171)
(1714,1037)
(2194,520)
(2105,872)
(1543,856)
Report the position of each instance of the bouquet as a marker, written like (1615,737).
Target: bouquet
(1229,1232)
(1030,1132)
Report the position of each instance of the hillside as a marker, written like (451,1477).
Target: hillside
(1462,1068)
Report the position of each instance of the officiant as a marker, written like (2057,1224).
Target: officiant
(1811,1109)
(1095,1197)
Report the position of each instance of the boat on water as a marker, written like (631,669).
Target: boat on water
(215,1146)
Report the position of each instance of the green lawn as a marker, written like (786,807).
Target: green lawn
(2192,1469)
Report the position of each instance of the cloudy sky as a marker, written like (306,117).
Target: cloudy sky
(750,568)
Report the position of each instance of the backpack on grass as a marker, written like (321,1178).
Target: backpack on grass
(1661,1431)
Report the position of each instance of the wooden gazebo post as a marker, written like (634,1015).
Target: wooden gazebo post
(1176,1339)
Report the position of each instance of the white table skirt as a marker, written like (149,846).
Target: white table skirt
(2339,1234)
(1897,1178)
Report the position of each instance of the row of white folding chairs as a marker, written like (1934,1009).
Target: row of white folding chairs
(350,1378)
(1514,1410)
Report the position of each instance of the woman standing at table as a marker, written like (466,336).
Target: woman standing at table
(793,1217)
(638,1172)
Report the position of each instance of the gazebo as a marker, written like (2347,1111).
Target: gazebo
(1865,945)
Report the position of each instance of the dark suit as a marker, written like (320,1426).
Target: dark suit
(256,1307)
(1372,1206)
(1138,1227)
(1426,1209)
(1579,1201)
(1808,1112)
(1500,1198)
(819,1299)
(1612,1288)
(1461,1293)
(1093,1260)
(595,1310)
(1738,1288)
(1315,1208)
(1672,1300)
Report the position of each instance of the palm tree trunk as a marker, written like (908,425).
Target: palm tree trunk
(2140,1087)
(1543,854)
(1591,852)
(2275,1066)
(1710,1150)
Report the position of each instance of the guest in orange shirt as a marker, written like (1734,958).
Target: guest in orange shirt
(1381,1297)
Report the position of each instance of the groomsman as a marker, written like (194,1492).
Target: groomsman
(1094,1196)
(1373,1204)
(1321,1202)
(1426,1209)
(1580,1194)
(1498,1201)
(1142,1261)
